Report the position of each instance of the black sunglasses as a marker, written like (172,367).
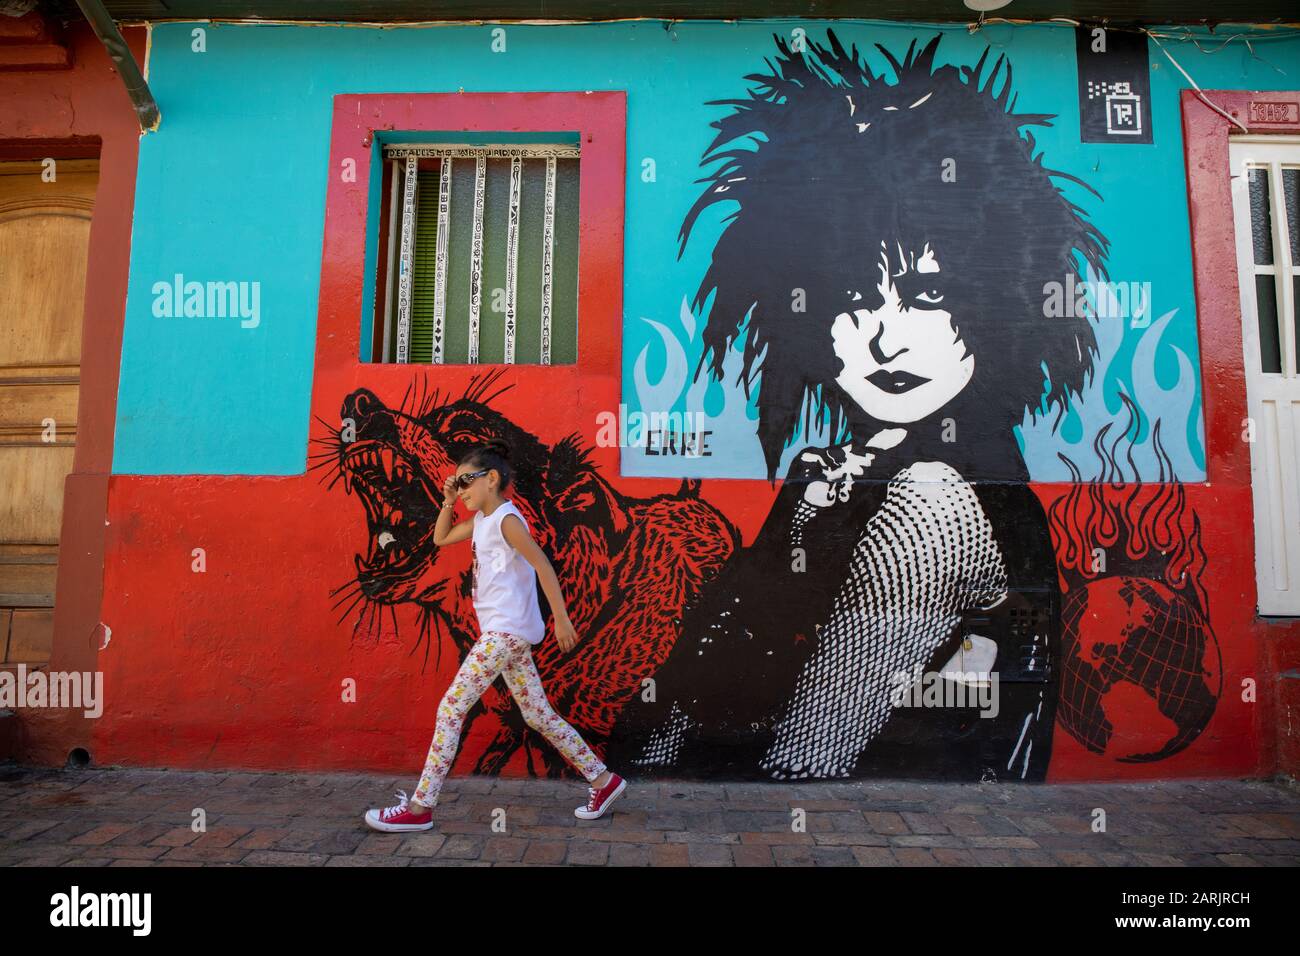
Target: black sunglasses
(467,479)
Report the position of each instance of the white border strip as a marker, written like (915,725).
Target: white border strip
(548,258)
(476,257)
(440,261)
(512,255)
(408,246)
(468,151)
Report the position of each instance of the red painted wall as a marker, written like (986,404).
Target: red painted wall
(1275,644)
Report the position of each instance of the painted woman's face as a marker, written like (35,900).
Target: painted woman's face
(902,358)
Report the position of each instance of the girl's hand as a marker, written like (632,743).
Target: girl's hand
(565,635)
(449,490)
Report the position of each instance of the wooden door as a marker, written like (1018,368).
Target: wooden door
(44,231)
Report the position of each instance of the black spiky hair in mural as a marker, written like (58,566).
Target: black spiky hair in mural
(830,166)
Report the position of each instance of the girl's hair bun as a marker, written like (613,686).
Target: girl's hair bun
(490,453)
(497,447)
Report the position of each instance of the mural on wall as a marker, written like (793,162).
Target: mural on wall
(627,566)
(1137,639)
(886,271)
(908,606)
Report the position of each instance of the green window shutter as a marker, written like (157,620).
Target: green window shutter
(422,285)
(564,305)
(528,268)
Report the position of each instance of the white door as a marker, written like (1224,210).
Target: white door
(1265,195)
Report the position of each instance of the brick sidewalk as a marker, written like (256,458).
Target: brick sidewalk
(142,817)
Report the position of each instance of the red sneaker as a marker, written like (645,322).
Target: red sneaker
(599,800)
(399,818)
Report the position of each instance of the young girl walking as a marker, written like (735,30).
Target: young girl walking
(510,623)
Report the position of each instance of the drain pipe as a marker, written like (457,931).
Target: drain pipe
(115,45)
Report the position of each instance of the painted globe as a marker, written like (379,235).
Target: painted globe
(1141,673)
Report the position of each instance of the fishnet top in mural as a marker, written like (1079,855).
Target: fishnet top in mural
(665,742)
(927,551)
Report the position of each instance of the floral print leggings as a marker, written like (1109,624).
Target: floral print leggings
(495,653)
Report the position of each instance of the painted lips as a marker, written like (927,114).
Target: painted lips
(896,383)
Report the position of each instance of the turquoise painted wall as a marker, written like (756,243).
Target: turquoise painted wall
(232,188)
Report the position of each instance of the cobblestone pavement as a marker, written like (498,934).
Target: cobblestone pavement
(126,817)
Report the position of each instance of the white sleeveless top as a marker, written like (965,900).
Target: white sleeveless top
(505,585)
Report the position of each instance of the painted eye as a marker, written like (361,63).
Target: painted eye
(930,297)
(853,295)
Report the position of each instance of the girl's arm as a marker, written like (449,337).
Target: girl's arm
(514,532)
(443,532)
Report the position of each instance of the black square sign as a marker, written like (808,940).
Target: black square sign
(1114,85)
